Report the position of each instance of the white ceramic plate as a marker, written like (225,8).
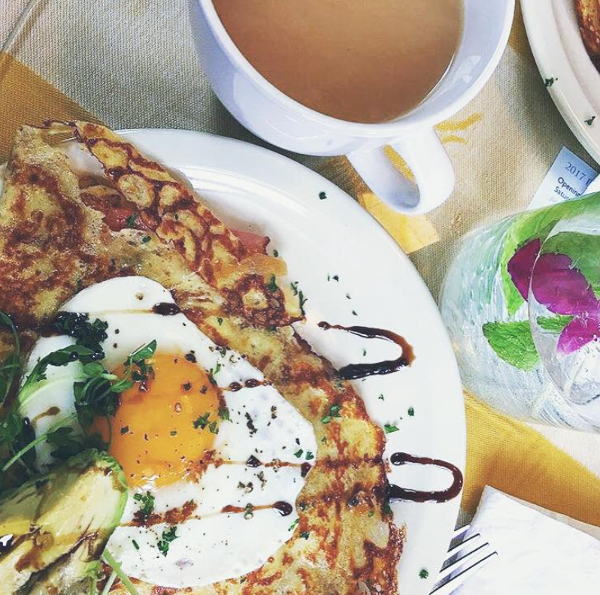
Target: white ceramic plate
(560,54)
(258,190)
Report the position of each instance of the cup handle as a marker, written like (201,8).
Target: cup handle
(430,165)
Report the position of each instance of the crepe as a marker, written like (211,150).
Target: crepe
(57,236)
(588,16)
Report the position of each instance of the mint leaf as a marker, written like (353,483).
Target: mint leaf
(584,251)
(513,342)
(553,324)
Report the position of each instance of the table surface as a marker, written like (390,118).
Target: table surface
(132,63)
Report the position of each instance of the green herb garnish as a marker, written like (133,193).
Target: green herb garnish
(146,503)
(390,429)
(202,421)
(131,220)
(168,537)
(334,411)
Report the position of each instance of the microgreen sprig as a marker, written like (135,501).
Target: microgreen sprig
(12,362)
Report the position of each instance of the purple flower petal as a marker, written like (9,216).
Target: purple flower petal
(561,288)
(579,332)
(520,266)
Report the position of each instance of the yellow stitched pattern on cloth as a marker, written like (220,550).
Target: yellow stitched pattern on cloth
(411,233)
(26,98)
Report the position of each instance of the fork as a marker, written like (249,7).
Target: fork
(456,570)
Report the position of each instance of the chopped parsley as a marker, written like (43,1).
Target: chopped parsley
(146,503)
(124,430)
(303,301)
(224,414)
(411,411)
(135,544)
(371,512)
(381,398)
(213,427)
(354,313)
(167,538)
(549,82)
(275,253)
(334,411)
(390,429)
(220,321)
(272,286)
(322,195)
(305,534)
(294,525)
(202,421)
(87,334)
(298,453)
(309,455)
(423,573)
(131,220)
(146,239)
(590,121)
(336,277)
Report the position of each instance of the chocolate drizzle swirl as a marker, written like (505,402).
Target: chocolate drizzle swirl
(355,371)
(396,492)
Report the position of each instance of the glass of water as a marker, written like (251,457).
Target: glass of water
(521,304)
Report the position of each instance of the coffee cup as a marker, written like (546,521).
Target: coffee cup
(277,118)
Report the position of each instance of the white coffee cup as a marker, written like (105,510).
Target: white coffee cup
(284,122)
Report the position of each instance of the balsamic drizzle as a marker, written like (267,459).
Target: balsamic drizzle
(355,371)
(166,309)
(250,383)
(396,492)
(284,508)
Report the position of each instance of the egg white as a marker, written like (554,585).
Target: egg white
(212,546)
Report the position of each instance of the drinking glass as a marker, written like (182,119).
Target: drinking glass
(521,304)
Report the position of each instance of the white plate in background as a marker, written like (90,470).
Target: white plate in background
(560,54)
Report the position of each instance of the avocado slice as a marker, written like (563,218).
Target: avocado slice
(60,523)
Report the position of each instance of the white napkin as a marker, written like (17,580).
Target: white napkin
(538,555)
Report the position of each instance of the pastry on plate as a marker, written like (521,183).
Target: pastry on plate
(151,329)
(588,16)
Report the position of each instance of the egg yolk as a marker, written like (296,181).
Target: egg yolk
(162,426)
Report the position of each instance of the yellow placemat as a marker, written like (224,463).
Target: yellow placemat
(27,97)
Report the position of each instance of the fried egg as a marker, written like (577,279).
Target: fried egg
(214,456)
